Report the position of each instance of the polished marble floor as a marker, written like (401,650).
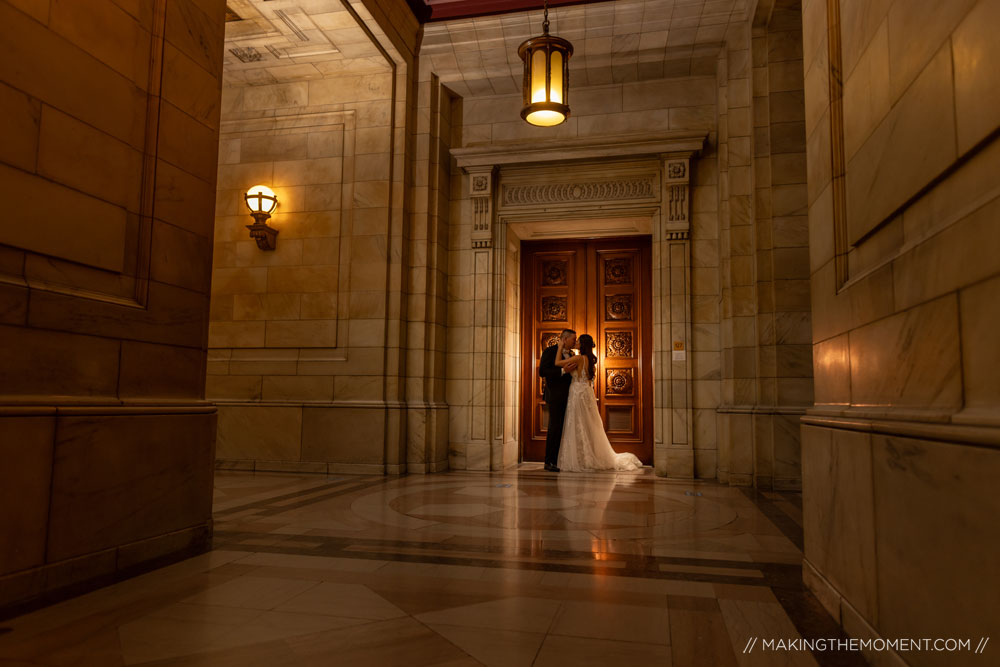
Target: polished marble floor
(516,568)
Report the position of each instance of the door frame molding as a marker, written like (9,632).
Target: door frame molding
(523,188)
(593,324)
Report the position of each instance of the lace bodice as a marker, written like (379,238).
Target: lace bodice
(580,374)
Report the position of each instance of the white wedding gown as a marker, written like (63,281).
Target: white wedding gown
(584,445)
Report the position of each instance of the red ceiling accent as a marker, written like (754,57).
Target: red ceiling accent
(443,10)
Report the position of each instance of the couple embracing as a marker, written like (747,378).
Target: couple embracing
(576,440)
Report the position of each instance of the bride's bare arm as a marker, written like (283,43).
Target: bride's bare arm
(571,362)
(566,364)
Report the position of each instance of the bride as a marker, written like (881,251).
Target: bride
(584,445)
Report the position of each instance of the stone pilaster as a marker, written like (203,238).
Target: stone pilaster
(672,323)
(484,450)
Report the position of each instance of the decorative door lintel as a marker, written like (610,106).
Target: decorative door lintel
(670,201)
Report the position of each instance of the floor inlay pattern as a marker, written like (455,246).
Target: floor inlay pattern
(515,568)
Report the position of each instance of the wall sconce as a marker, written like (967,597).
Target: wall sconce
(261,200)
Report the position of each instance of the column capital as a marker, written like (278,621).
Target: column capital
(676,194)
(481,178)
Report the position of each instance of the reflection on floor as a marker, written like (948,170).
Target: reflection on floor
(515,568)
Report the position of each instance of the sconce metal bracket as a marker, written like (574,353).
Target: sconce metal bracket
(262,233)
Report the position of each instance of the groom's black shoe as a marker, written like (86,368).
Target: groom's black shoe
(551,468)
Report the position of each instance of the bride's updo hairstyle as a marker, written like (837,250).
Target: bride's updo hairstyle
(586,343)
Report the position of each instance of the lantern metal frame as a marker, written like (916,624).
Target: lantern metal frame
(548,44)
(260,231)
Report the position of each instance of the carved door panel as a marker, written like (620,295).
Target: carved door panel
(606,289)
(554,294)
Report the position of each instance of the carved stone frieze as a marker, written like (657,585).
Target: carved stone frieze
(623,189)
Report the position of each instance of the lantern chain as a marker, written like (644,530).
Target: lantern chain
(545,22)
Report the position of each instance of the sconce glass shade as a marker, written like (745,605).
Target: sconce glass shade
(546,79)
(260,199)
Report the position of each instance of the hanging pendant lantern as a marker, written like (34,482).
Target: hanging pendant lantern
(546,77)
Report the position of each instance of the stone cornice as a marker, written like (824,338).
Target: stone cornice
(588,148)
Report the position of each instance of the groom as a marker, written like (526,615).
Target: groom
(556,394)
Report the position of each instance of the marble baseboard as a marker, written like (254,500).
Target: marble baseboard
(426,468)
(897,529)
(94,491)
(23,591)
(739,479)
(849,618)
(319,438)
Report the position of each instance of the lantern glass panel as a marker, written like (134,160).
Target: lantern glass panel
(556,87)
(538,76)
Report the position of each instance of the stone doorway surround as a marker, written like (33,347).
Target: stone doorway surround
(592,188)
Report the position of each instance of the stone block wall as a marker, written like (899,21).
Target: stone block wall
(900,450)
(111,114)
(322,352)
(767,367)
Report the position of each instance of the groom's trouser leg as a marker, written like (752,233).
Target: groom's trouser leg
(557,414)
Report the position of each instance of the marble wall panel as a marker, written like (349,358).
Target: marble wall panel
(350,435)
(839,513)
(933,504)
(920,261)
(26,448)
(258,432)
(890,167)
(105,493)
(133,332)
(911,359)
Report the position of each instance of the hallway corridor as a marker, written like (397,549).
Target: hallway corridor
(461,568)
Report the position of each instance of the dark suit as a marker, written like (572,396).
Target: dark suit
(556,396)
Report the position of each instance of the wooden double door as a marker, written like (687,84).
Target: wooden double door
(601,288)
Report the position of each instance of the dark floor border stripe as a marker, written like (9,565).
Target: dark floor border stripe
(774,574)
(503,564)
(553,554)
(338,481)
(266,507)
(780,519)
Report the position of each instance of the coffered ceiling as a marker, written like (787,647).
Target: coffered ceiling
(275,41)
(271,41)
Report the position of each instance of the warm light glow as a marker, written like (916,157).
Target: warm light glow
(261,199)
(545,118)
